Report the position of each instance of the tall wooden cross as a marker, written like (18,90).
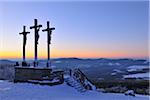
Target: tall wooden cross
(49,32)
(36,28)
(24,33)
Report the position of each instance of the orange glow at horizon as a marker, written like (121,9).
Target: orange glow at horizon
(65,54)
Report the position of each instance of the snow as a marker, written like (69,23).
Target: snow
(100,79)
(39,67)
(1,81)
(139,75)
(129,91)
(117,70)
(147,61)
(53,66)
(113,73)
(45,81)
(57,61)
(26,91)
(136,68)
(84,65)
(131,70)
(118,64)
(111,64)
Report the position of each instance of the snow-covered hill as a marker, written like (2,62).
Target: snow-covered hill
(26,91)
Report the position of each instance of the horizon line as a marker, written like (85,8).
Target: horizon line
(83,58)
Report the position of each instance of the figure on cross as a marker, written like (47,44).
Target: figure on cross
(36,28)
(49,32)
(24,33)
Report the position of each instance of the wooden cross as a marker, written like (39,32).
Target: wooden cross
(49,32)
(36,28)
(24,33)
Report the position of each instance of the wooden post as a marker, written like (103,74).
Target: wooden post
(49,32)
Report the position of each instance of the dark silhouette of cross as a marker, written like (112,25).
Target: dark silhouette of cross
(49,32)
(24,33)
(36,28)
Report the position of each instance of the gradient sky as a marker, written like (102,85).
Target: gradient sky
(83,29)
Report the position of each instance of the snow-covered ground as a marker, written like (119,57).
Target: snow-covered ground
(26,91)
(136,68)
(139,75)
(145,75)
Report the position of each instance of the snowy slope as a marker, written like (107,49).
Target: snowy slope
(26,91)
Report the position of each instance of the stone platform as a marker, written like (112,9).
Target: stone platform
(43,76)
(27,73)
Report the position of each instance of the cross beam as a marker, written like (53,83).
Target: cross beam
(49,32)
(36,28)
(24,33)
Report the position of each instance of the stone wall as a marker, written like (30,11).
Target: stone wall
(25,74)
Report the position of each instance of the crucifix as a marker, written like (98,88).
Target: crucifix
(36,28)
(49,32)
(24,33)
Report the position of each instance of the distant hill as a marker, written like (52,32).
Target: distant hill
(5,61)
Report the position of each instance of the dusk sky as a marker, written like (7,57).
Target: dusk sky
(83,29)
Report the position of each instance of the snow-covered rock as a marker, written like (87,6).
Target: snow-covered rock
(130,92)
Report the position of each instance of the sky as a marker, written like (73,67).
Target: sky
(98,29)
